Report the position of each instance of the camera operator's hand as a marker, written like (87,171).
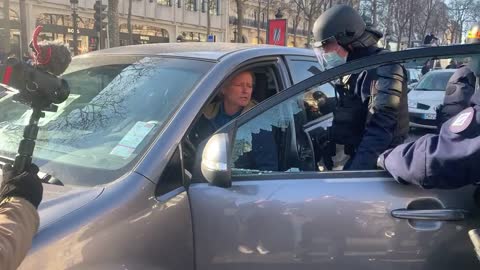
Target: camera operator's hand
(26,185)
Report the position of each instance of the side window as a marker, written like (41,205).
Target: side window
(302,68)
(173,175)
(264,85)
(373,114)
(281,139)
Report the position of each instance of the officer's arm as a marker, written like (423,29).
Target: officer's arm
(379,131)
(445,161)
(18,224)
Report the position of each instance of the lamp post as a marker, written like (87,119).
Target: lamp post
(279,14)
(74,5)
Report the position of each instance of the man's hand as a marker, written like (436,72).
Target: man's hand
(26,185)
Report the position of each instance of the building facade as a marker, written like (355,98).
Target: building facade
(153,21)
(256,16)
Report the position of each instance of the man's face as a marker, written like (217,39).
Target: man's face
(335,47)
(239,91)
(330,54)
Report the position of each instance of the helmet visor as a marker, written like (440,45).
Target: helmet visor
(327,53)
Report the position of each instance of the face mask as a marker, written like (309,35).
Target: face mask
(334,60)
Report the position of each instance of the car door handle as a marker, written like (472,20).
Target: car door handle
(432,214)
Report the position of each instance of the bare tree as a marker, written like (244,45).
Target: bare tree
(296,9)
(209,17)
(5,42)
(129,22)
(240,15)
(401,14)
(311,10)
(113,27)
(23,28)
(460,12)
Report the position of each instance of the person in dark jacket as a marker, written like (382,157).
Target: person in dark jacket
(430,39)
(459,91)
(453,64)
(451,158)
(372,113)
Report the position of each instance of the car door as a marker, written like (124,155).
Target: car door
(268,208)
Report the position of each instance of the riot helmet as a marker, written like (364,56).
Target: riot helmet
(340,25)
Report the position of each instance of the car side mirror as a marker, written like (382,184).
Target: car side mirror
(215,163)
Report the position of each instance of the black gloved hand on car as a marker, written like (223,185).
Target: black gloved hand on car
(26,185)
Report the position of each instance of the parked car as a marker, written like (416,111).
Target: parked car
(129,199)
(426,96)
(413,76)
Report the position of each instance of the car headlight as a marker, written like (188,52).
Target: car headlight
(412,104)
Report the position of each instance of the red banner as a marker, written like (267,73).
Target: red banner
(277,32)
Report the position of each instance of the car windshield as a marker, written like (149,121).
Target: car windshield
(434,81)
(116,106)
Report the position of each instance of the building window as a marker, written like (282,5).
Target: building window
(214,7)
(191,5)
(179,3)
(164,2)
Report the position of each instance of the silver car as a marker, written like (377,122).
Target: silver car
(124,188)
(426,96)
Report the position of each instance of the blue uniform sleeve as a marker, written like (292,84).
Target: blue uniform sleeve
(446,161)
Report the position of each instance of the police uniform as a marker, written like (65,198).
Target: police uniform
(460,88)
(372,112)
(18,224)
(384,117)
(449,159)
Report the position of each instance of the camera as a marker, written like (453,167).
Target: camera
(36,87)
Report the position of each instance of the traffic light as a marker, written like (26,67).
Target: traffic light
(99,16)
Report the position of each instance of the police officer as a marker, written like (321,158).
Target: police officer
(372,113)
(20,195)
(449,159)
(460,88)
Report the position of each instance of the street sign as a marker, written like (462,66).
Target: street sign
(211,38)
(277,32)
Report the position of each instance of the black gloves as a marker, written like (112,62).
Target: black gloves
(26,185)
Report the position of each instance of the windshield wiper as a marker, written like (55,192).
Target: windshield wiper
(44,177)
(49,179)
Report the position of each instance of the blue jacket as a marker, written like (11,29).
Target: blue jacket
(459,91)
(447,160)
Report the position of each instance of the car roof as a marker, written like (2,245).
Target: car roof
(203,50)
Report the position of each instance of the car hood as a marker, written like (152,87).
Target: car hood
(59,201)
(427,97)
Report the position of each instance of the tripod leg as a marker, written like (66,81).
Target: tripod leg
(27,144)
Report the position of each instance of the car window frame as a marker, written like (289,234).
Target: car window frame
(273,64)
(325,77)
(293,58)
